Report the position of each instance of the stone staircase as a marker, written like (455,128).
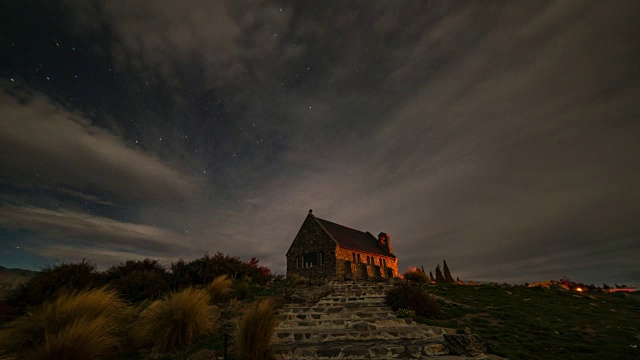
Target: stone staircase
(354,322)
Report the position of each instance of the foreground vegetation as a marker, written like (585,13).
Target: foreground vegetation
(140,309)
(532,323)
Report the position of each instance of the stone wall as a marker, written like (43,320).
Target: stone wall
(337,262)
(312,238)
(363,270)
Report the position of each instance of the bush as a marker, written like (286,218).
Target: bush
(407,296)
(255,330)
(207,268)
(137,280)
(242,290)
(175,321)
(296,279)
(84,325)
(219,288)
(53,281)
(416,276)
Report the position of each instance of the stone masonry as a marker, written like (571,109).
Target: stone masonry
(354,322)
(317,252)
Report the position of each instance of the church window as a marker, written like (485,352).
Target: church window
(310,259)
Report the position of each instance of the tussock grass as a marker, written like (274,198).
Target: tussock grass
(255,330)
(219,289)
(85,325)
(175,321)
(242,290)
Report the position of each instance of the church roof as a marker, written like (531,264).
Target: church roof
(353,239)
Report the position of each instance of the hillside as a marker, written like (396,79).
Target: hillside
(11,278)
(532,323)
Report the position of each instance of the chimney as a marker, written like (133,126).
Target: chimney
(385,242)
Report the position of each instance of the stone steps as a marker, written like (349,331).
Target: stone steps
(360,331)
(344,323)
(355,315)
(353,322)
(367,349)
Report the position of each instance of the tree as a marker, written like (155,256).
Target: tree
(447,274)
(432,279)
(439,277)
(458,280)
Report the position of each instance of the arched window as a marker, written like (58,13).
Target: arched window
(359,261)
(354,257)
(321,258)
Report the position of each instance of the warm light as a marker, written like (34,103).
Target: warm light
(579,289)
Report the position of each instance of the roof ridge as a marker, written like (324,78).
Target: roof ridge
(346,227)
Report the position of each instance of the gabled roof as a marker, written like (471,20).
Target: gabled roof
(351,238)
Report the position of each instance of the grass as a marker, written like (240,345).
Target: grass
(255,330)
(175,321)
(533,323)
(220,288)
(243,289)
(85,325)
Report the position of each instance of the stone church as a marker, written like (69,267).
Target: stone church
(323,249)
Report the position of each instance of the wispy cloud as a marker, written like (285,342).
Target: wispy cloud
(44,144)
(62,230)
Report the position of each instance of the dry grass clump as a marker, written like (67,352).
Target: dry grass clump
(85,325)
(175,321)
(416,276)
(220,288)
(242,290)
(255,330)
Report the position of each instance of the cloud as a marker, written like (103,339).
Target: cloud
(507,154)
(67,232)
(497,136)
(45,145)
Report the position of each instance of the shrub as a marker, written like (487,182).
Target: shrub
(242,290)
(84,325)
(255,330)
(137,280)
(175,321)
(416,276)
(53,281)
(413,297)
(205,269)
(296,279)
(219,288)
(403,312)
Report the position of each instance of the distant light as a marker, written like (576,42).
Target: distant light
(12,80)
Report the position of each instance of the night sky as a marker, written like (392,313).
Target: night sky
(503,137)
